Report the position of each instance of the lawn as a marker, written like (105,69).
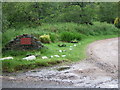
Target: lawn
(74,52)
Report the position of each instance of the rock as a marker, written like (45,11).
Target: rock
(6,58)
(30,58)
(63,55)
(62,45)
(44,57)
(51,56)
(74,41)
(60,50)
(12,78)
(75,45)
(56,55)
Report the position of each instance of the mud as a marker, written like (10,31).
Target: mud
(99,70)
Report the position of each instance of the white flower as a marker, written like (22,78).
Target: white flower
(70,48)
(60,50)
(56,55)
(75,45)
(32,57)
(63,55)
(6,58)
(44,57)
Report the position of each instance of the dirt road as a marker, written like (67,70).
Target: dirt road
(100,69)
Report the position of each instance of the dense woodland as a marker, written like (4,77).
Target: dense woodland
(36,13)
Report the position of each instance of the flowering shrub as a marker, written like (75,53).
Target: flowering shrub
(45,39)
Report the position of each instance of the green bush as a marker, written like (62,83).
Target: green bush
(97,28)
(54,37)
(69,36)
(104,29)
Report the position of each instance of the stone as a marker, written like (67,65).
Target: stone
(56,55)
(32,57)
(6,58)
(44,57)
(63,55)
(74,41)
(75,45)
(24,42)
(62,45)
(60,50)
(12,78)
(51,56)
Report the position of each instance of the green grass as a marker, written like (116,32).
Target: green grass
(78,53)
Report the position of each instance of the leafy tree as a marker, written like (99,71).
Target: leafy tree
(108,12)
(35,13)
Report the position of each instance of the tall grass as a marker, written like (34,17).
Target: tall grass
(69,36)
(56,29)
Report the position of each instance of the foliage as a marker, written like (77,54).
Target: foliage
(54,37)
(32,14)
(69,36)
(45,39)
(108,11)
(103,29)
(97,29)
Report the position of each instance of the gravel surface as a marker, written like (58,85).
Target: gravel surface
(99,70)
